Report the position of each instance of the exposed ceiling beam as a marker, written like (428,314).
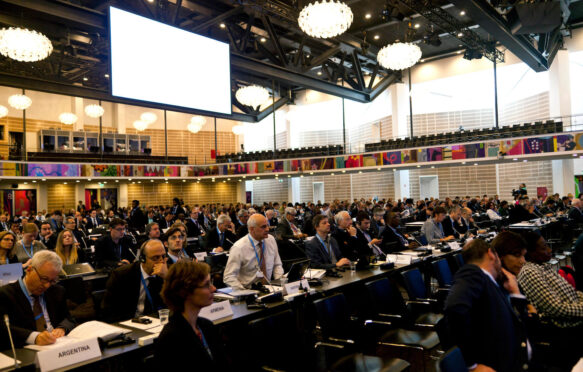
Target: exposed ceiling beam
(481,12)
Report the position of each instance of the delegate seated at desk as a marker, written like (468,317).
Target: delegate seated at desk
(322,249)
(222,237)
(392,239)
(134,290)
(35,305)
(254,257)
(432,229)
(113,250)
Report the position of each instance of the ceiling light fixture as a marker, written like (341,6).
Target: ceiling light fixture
(237,129)
(148,117)
(399,56)
(94,111)
(24,45)
(68,118)
(263,40)
(325,19)
(196,123)
(376,37)
(367,16)
(222,25)
(19,101)
(140,125)
(252,95)
(462,13)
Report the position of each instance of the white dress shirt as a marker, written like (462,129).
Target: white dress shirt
(242,266)
(142,299)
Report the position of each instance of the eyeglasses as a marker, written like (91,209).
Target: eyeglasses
(44,279)
(206,285)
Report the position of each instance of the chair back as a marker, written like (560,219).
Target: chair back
(453,361)
(414,284)
(332,314)
(442,272)
(384,297)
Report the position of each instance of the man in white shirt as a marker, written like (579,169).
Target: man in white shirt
(254,257)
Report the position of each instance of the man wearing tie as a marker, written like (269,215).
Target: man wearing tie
(176,208)
(253,258)
(193,226)
(47,237)
(322,249)
(93,221)
(222,237)
(393,240)
(366,244)
(134,290)
(287,229)
(4,222)
(175,244)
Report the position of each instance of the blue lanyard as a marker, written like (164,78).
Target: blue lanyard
(328,249)
(205,344)
(41,299)
(31,249)
(255,251)
(147,290)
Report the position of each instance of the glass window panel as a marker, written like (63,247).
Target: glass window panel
(63,142)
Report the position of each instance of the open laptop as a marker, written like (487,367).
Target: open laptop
(10,273)
(80,269)
(296,272)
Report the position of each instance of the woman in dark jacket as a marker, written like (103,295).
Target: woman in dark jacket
(188,340)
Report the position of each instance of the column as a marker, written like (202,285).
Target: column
(122,194)
(42,197)
(78,108)
(241,195)
(560,106)
(119,118)
(400,106)
(80,193)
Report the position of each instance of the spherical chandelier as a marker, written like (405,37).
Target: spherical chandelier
(238,129)
(24,45)
(3,111)
(399,56)
(68,118)
(196,123)
(94,111)
(19,101)
(140,125)
(252,95)
(148,117)
(325,19)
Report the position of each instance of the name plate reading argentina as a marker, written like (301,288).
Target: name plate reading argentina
(294,287)
(216,311)
(200,256)
(68,354)
(454,246)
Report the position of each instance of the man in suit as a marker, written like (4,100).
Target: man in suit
(377,224)
(134,290)
(56,221)
(242,218)
(47,236)
(287,229)
(271,219)
(432,229)
(575,213)
(450,223)
(193,225)
(174,243)
(36,307)
(393,240)
(367,245)
(222,237)
(77,234)
(138,219)
(112,250)
(345,235)
(93,220)
(177,208)
(322,249)
(167,221)
(4,222)
(479,316)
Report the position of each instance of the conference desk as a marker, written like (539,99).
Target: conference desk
(350,282)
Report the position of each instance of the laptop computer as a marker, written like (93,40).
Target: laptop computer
(80,269)
(296,272)
(10,273)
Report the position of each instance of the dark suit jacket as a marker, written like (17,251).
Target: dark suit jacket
(362,244)
(90,225)
(122,293)
(14,303)
(50,243)
(106,251)
(283,230)
(178,346)
(319,257)
(481,321)
(176,210)
(242,231)
(448,227)
(138,220)
(164,224)
(194,229)
(348,245)
(391,242)
(212,240)
(56,226)
(519,214)
(576,215)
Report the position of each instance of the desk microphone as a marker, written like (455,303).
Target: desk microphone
(7,322)
(227,239)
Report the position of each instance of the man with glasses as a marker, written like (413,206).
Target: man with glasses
(134,290)
(253,258)
(36,307)
(175,244)
(113,250)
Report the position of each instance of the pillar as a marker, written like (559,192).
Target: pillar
(400,125)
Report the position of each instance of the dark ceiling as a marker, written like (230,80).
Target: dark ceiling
(268,47)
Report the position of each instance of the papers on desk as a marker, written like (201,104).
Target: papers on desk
(61,341)
(402,259)
(98,329)
(6,361)
(154,323)
(314,273)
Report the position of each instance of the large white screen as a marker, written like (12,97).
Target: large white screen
(154,62)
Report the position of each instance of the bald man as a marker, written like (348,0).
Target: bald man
(575,211)
(254,257)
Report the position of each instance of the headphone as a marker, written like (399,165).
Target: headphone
(142,256)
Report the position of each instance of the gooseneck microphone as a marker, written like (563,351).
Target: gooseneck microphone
(7,322)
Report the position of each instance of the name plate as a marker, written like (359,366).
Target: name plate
(454,245)
(68,354)
(200,256)
(294,287)
(216,311)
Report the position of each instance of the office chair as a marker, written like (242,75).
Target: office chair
(416,289)
(453,361)
(442,273)
(366,363)
(97,297)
